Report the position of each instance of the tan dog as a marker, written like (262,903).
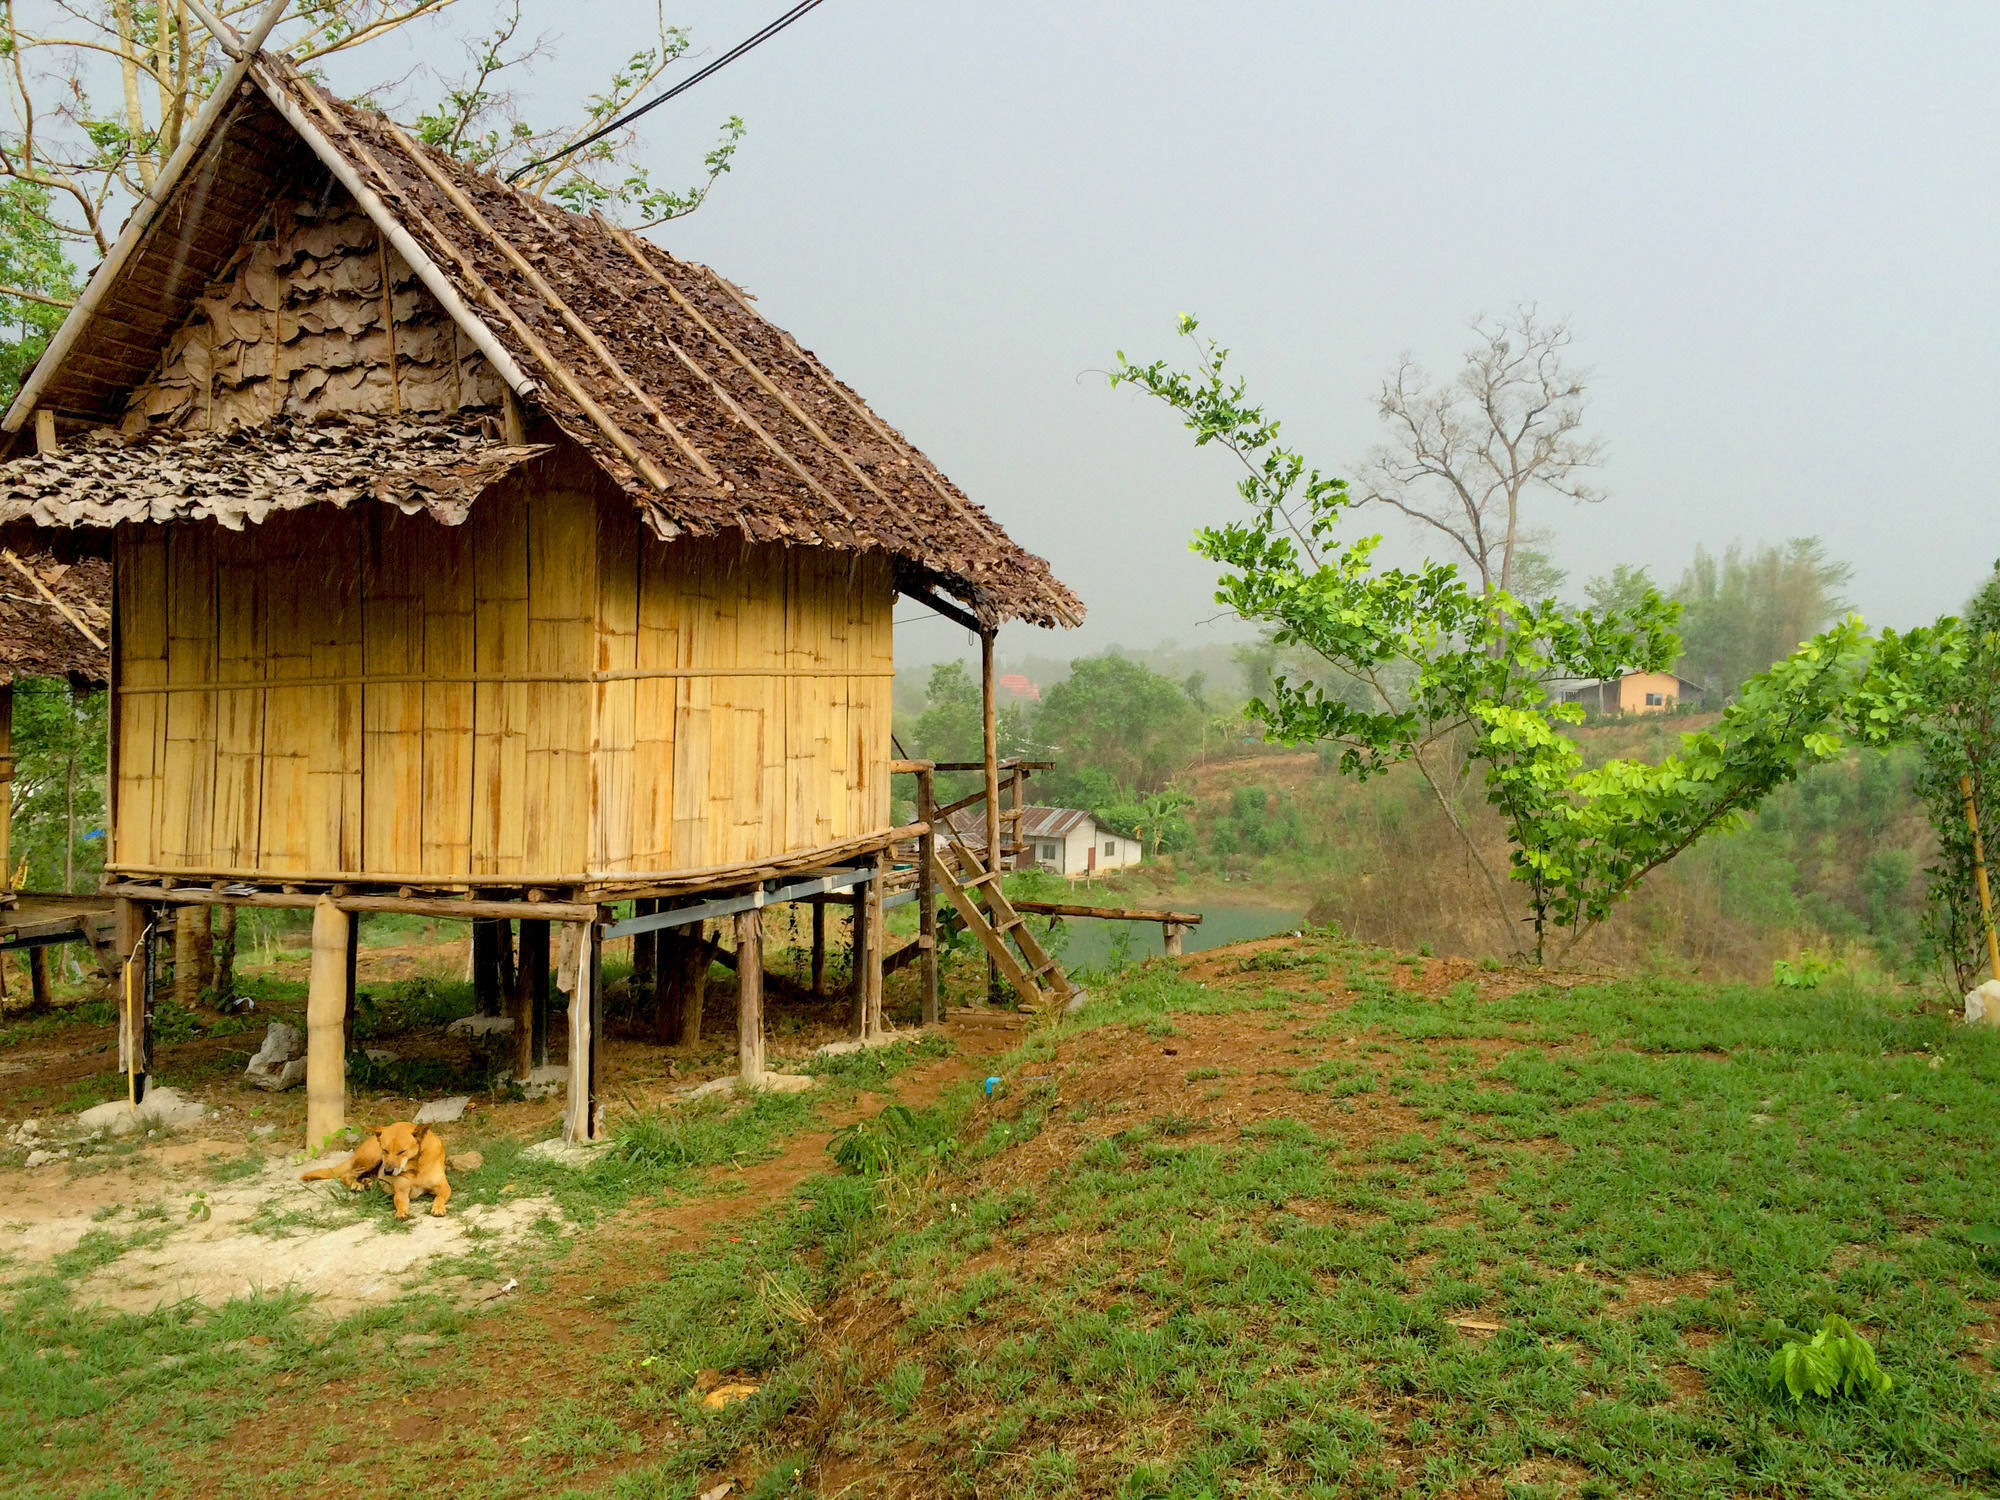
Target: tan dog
(404,1158)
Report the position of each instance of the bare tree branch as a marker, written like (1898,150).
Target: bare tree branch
(1463,457)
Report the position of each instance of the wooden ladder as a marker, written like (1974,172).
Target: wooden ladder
(1037,978)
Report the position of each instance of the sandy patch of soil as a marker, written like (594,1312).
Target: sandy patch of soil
(328,1248)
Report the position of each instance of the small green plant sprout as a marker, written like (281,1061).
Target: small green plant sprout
(1835,1359)
(1802,973)
(198,1209)
(1985,1240)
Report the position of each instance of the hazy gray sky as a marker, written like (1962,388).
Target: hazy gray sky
(1773,227)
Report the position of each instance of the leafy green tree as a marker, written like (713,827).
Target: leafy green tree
(1960,739)
(1159,822)
(1745,609)
(102,92)
(60,743)
(1625,588)
(1536,576)
(1480,662)
(36,283)
(1113,715)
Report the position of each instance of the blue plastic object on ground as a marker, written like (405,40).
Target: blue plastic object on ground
(992,1084)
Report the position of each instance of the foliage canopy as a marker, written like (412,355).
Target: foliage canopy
(1470,671)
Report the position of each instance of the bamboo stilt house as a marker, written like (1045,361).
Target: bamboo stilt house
(464,546)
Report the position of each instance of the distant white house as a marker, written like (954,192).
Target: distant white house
(1063,840)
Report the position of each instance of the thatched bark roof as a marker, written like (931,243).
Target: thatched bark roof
(244,474)
(707,415)
(45,608)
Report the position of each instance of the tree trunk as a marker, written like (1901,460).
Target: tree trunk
(69,824)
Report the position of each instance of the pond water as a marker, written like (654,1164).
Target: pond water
(1089,939)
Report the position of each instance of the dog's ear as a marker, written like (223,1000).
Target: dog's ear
(422,1131)
(376,1130)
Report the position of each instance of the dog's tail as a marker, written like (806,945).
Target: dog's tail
(315,1176)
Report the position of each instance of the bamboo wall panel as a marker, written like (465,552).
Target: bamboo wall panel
(449,614)
(331,581)
(188,784)
(240,602)
(661,644)
(289,713)
(562,602)
(140,568)
(500,708)
(392,712)
(674,705)
(614,719)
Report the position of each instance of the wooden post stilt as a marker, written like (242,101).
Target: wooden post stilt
(6,792)
(222,945)
(593,965)
(535,967)
(135,1030)
(581,1115)
(1979,874)
(506,968)
(991,749)
(927,896)
(857,950)
(1171,932)
(187,967)
(871,1019)
(326,1020)
(819,948)
(645,946)
(485,966)
(750,995)
(353,990)
(521,1005)
(38,981)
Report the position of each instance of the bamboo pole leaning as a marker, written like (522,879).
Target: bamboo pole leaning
(1979,876)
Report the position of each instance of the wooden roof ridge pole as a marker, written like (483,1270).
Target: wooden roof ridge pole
(860,409)
(558,371)
(628,242)
(143,215)
(428,271)
(583,331)
(44,590)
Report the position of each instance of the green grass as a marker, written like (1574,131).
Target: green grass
(1274,1310)
(1248,1277)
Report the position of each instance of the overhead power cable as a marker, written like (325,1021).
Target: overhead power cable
(680,88)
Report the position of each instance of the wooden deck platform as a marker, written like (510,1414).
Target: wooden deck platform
(41,919)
